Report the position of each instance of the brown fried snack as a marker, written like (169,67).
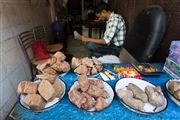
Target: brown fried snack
(58,88)
(98,83)
(94,70)
(137,92)
(87,62)
(127,97)
(50,77)
(90,101)
(34,101)
(177,94)
(173,86)
(46,90)
(82,69)
(76,97)
(49,70)
(64,66)
(60,56)
(155,95)
(95,91)
(27,87)
(47,63)
(83,82)
(75,62)
(100,104)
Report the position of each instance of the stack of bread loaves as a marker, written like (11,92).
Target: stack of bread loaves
(37,94)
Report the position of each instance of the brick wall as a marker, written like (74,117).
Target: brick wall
(16,16)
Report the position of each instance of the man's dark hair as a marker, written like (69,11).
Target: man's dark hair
(101,6)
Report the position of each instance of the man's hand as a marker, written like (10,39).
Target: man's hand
(87,39)
(97,41)
(84,39)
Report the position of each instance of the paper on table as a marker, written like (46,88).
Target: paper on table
(109,59)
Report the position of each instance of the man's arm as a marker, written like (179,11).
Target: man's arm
(98,41)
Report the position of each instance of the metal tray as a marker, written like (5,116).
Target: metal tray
(142,71)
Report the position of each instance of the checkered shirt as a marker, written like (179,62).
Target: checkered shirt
(115,30)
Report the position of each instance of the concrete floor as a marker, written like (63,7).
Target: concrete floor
(76,48)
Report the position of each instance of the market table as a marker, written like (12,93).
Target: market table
(65,110)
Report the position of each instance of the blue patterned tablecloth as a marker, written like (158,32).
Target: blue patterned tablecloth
(116,111)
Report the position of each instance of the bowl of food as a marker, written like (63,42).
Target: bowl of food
(55,65)
(140,96)
(173,90)
(90,94)
(40,95)
(87,66)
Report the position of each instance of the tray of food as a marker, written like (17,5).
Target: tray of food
(140,96)
(91,94)
(147,69)
(173,90)
(40,95)
(87,66)
(55,65)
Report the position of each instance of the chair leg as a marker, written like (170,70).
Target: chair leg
(33,72)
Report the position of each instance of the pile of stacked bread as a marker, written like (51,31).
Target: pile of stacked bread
(37,94)
(89,94)
(86,66)
(56,64)
(174,88)
(136,98)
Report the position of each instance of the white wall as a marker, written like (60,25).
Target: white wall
(16,16)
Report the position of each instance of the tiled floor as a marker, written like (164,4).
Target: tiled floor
(76,48)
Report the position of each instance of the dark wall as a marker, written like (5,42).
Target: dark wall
(74,7)
(130,8)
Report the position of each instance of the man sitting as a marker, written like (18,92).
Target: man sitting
(113,37)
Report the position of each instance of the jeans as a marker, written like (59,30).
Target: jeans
(100,50)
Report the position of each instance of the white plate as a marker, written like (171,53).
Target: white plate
(170,95)
(49,104)
(148,108)
(107,87)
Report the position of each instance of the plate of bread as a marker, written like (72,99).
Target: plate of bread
(87,66)
(90,94)
(173,90)
(56,65)
(140,96)
(41,95)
